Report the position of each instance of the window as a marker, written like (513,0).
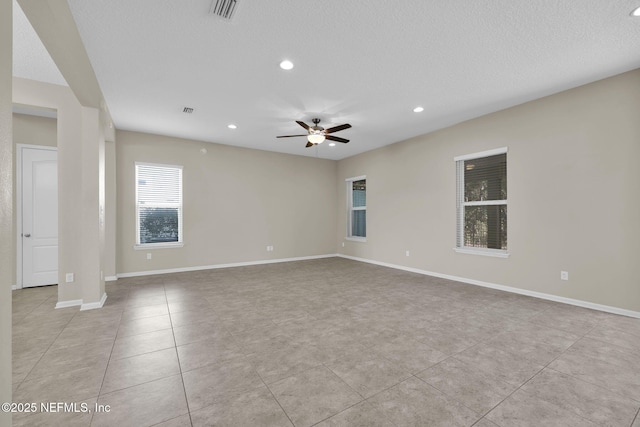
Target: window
(158,205)
(482,203)
(357,208)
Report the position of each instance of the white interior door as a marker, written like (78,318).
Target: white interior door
(39,217)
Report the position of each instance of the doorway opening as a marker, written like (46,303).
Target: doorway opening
(35,136)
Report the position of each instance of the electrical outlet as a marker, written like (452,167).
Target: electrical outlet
(148,255)
(269,248)
(564,275)
(407,253)
(69,278)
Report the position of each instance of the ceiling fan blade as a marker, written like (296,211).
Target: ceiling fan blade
(309,145)
(303,124)
(336,138)
(338,128)
(290,136)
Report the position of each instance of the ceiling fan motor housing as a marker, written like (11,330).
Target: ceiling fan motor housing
(316,127)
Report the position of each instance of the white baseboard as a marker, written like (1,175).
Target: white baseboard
(111,278)
(94,305)
(70,303)
(14,287)
(215,266)
(549,297)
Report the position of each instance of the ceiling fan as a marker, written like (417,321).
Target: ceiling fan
(316,134)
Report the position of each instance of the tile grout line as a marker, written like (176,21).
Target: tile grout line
(175,347)
(45,352)
(585,381)
(48,348)
(596,385)
(273,395)
(134,385)
(549,363)
(506,397)
(448,395)
(364,399)
(535,375)
(635,418)
(108,361)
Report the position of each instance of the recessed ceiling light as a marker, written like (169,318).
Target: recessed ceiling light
(418,110)
(232,126)
(286,64)
(332,144)
(636,12)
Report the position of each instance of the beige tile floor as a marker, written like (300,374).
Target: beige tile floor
(327,342)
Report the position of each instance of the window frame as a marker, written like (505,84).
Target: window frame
(461,204)
(351,208)
(162,245)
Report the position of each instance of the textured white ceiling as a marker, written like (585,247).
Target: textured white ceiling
(361,62)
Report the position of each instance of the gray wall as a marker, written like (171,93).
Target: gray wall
(236,202)
(573,185)
(36,130)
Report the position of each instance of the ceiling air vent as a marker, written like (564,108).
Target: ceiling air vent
(187,110)
(223,8)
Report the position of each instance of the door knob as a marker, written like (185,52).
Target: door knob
(27,235)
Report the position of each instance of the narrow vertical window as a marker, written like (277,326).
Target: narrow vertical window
(482,203)
(158,205)
(357,208)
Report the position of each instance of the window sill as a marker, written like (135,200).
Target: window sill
(357,239)
(148,246)
(496,253)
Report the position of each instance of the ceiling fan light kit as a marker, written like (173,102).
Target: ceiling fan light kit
(316,138)
(316,134)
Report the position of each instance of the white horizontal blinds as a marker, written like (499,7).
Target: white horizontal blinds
(158,203)
(460,203)
(482,202)
(359,208)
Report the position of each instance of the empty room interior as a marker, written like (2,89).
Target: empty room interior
(300,213)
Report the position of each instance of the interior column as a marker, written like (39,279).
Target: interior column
(6,204)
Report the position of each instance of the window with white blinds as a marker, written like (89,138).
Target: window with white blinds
(357,208)
(158,205)
(482,202)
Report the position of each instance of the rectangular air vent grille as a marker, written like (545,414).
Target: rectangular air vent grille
(223,8)
(187,110)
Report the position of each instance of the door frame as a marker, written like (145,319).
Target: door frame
(19,148)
